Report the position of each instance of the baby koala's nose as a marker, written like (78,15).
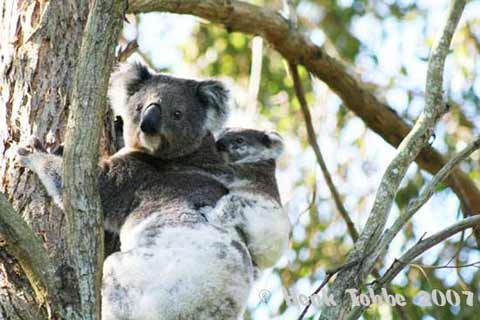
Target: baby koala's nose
(151,119)
(221,146)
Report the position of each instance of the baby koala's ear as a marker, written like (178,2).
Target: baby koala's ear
(274,142)
(127,79)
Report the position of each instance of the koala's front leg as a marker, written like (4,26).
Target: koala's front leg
(47,167)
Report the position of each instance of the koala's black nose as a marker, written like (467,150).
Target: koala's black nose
(151,119)
(221,146)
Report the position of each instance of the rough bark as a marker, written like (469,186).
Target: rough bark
(82,203)
(39,46)
(297,49)
(20,241)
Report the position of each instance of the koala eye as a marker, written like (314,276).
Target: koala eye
(239,140)
(177,115)
(139,107)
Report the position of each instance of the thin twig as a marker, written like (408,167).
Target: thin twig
(255,77)
(414,252)
(311,204)
(328,275)
(318,154)
(460,247)
(475,264)
(461,280)
(300,93)
(426,244)
(427,192)
(131,47)
(442,174)
(313,142)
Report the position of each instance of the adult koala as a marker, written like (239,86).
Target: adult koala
(173,264)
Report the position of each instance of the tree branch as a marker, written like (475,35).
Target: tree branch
(417,250)
(129,49)
(424,245)
(298,49)
(426,194)
(407,152)
(318,154)
(255,77)
(411,210)
(328,275)
(80,166)
(20,241)
(328,178)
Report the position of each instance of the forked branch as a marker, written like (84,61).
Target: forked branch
(408,150)
(21,242)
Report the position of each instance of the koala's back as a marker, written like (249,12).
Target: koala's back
(201,271)
(134,185)
(261,177)
(256,177)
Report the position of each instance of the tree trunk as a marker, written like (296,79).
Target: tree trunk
(39,47)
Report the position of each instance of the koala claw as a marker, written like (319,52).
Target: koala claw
(32,144)
(24,153)
(35,144)
(23,157)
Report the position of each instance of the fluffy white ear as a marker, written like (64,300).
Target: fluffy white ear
(124,82)
(275,143)
(216,98)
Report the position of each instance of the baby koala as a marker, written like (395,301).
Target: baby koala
(252,208)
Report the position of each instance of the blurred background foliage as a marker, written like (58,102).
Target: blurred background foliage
(387,45)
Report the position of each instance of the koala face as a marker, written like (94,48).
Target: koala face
(246,145)
(165,116)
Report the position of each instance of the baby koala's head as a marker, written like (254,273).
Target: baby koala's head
(240,145)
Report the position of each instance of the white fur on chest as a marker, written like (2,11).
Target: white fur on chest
(261,218)
(183,271)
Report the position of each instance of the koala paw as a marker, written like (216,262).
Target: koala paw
(25,154)
(22,157)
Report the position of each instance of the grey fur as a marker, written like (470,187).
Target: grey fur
(47,166)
